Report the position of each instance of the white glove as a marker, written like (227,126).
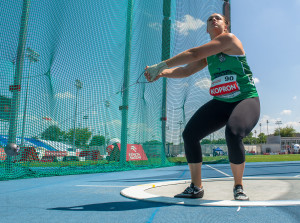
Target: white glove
(156,69)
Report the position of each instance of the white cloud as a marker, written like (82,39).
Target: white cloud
(295,98)
(188,23)
(267,125)
(271,126)
(203,83)
(64,95)
(256,80)
(156,26)
(286,112)
(293,124)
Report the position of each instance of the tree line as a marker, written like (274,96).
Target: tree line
(288,131)
(83,135)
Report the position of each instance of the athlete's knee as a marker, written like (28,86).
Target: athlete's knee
(237,158)
(187,135)
(190,137)
(235,132)
(236,151)
(192,147)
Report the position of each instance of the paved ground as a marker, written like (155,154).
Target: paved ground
(96,197)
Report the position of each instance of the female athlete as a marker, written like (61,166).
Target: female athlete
(235,102)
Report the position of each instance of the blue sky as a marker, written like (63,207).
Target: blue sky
(269,31)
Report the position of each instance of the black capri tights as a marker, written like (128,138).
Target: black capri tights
(239,117)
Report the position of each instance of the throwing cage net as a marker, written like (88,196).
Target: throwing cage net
(73,96)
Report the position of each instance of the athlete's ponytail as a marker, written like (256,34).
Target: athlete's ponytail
(226,20)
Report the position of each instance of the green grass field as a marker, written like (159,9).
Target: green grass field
(273,158)
(249,158)
(157,161)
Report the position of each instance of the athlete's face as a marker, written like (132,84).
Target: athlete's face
(216,21)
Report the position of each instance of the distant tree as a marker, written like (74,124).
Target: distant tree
(219,141)
(97,140)
(82,136)
(288,131)
(249,139)
(216,141)
(262,138)
(205,141)
(52,133)
(152,142)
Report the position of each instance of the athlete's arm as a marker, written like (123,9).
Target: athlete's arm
(181,72)
(221,43)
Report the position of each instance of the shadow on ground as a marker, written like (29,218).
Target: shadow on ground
(113,206)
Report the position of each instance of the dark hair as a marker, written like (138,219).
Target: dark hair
(225,19)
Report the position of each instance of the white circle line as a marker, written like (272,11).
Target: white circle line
(139,193)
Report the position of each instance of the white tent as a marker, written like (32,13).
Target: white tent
(113,141)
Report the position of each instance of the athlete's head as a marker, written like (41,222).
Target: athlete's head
(217,24)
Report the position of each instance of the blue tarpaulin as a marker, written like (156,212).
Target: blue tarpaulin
(27,141)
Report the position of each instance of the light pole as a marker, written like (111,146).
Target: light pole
(86,117)
(259,128)
(107,104)
(267,127)
(78,85)
(33,58)
(180,124)
(278,123)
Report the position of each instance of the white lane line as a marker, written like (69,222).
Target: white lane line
(227,175)
(100,186)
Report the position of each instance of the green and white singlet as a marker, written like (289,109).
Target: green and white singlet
(231,78)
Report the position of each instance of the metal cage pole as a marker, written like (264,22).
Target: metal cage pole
(165,54)
(226,12)
(16,88)
(124,107)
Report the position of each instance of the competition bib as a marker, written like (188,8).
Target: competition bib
(225,86)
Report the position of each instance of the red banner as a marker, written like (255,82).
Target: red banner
(134,152)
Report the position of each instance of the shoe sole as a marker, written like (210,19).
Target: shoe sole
(247,199)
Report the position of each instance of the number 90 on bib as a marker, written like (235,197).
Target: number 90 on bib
(224,85)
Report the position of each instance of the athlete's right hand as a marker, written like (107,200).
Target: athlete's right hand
(148,77)
(152,72)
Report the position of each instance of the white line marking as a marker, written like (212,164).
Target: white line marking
(218,170)
(140,193)
(99,186)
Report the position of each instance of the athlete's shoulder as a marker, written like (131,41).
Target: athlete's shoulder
(226,36)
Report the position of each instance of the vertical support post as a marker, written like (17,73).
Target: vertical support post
(78,85)
(15,103)
(166,37)
(226,12)
(124,107)
(12,132)
(25,108)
